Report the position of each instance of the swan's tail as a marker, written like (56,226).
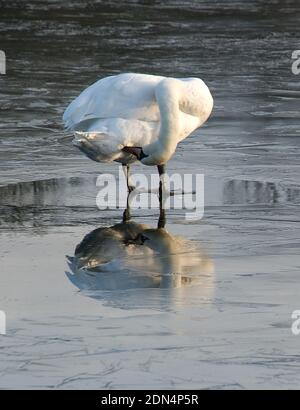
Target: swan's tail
(95,145)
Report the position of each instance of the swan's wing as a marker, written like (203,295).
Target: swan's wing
(128,96)
(104,139)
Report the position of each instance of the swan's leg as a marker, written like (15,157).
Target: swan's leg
(162,212)
(126,213)
(126,170)
(161,172)
(172,192)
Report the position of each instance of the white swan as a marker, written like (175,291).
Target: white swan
(131,117)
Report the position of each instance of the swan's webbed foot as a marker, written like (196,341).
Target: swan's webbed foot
(180,192)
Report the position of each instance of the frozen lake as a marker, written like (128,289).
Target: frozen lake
(203,304)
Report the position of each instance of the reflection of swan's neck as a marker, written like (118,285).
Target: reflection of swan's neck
(166,245)
(171,281)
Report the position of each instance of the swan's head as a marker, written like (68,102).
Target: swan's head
(152,154)
(157,153)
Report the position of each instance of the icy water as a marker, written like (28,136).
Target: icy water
(203,304)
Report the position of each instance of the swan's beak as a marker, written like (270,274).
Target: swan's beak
(136,151)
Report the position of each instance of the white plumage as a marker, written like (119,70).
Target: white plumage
(151,112)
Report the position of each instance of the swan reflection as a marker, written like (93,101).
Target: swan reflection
(129,255)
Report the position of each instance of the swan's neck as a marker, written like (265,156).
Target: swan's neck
(175,97)
(167,95)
